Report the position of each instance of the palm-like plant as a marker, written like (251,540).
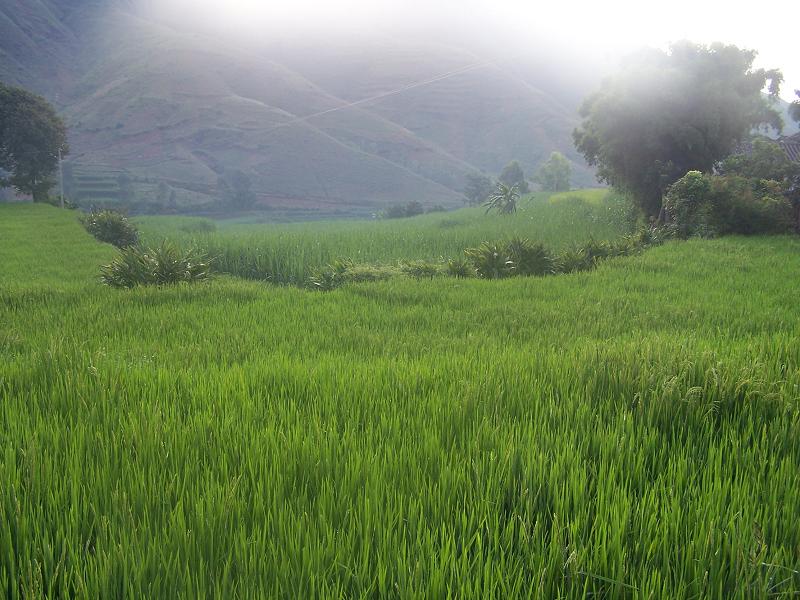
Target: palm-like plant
(503,200)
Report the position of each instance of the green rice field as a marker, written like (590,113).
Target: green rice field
(290,253)
(629,432)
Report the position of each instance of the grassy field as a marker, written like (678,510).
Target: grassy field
(290,253)
(631,432)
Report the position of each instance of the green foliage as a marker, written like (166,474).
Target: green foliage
(573,260)
(403,211)
(794,107)
(292,253)
(504,200)
(669,113)
(342,271)
(491,260)
(560,437)
(459,268)
(162,265)
(111,227)
(555,173)
(235,189)
(528,258)
(421,269)
(767,160)
(478,189)
(31,134)
(709,205)
(513,176)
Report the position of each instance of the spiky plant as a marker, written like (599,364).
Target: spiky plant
(459,268)
(491,261)
(503,200)
(163,265)
(529,258)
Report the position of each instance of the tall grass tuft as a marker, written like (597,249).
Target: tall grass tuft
(163,265)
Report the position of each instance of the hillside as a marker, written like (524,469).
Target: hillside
(174,112)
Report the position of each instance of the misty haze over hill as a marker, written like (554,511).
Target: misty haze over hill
(174,106)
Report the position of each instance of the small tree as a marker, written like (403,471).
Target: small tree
(554,175)
(504,200)
(478,188)
(31,135)
(236,190)
(513,176)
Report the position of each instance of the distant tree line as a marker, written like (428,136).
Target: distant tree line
(553,175)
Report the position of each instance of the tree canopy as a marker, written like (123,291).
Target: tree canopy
(667,113)
(766,160)
(513,176)
(555,173)
(31,135)
(236,189)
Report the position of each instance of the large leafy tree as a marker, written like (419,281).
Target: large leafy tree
(31,135)
(668,113)
(555,173)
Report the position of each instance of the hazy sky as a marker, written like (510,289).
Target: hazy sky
(610,26)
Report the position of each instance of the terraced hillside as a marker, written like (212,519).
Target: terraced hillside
(183,109)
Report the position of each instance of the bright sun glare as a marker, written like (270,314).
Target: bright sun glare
(615,25)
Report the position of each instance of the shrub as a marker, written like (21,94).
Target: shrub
(325,280)
(163,265)
(529,258)
(343,271)
(361,273)
(420,269)
(459,268)
(709,205)
(572,261)
(491,261)
(111,227)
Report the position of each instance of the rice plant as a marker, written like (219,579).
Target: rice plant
(629,432)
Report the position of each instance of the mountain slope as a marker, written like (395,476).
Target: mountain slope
(175,110)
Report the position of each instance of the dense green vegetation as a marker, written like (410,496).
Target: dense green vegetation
(627,432)
(291,253)
(710,99)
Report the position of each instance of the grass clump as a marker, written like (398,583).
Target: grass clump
(111,227)
(421,269)
(163,265)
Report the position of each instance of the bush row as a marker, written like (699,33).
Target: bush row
(495,260)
